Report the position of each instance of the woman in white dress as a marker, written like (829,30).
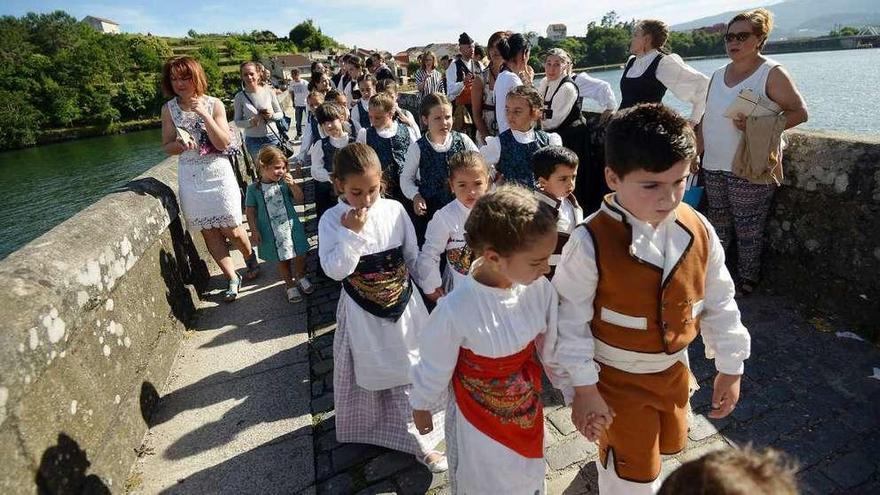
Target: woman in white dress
(194,127)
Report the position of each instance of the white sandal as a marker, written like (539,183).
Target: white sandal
(441,465)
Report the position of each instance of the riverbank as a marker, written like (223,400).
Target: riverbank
(51,136)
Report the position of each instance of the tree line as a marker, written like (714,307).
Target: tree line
(57,72)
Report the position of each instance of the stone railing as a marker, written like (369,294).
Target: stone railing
(92,317)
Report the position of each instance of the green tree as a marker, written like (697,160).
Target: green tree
(309,37)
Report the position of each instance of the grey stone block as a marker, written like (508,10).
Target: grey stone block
(561,419)
(850,470)
(317,388)
(327,441)
(322,367)
(570,451)
(323,403)
(387,464)
(384,488)
(352,454)
(341,483)
(418,480)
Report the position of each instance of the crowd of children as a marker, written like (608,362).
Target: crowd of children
(605,303)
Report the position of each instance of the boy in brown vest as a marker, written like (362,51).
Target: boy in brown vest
(638,280)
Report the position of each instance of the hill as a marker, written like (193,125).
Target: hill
(805,18)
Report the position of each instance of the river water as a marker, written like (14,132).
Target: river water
(41,187)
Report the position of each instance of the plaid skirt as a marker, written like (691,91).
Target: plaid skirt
(381,417)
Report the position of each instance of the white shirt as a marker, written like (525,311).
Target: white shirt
(721,138)
(685,82)
(561,105)
(492,151)
(505,81)
(387,133)
(300,91)
(494,323)
(307,139)
(445,231)
(383,350)
(319,173)
(453,88)
(410,176)
(725,338)
(596,89)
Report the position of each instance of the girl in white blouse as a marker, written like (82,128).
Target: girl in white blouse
(652,70)
(368,243)
(483,343)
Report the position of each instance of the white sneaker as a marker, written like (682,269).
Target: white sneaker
(305,285)
(293,295)
(440,465)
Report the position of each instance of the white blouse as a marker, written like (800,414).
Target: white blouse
(561,105)
(492,151)
(387,133)
(504,82)
(319,173)
(445,231)
(453,87)
(383,350)
(685,82)
(577,276)
(595,89)
(409,177)
(494,323)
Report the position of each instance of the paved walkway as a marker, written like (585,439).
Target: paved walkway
(249,406)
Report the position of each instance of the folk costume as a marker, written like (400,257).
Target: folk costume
(635,348)
(322,154)
(459,92)
(378,322)
(390,144)
(647,77)
(445,235)
(569,215)
(511,153)
(487,342)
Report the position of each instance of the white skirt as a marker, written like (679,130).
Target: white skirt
(209,194)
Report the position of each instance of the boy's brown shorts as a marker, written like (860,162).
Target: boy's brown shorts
(651,418)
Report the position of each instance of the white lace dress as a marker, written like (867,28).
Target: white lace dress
(209,194)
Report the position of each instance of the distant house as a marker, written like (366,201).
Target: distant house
(281,65)
(556,32)
(102,25)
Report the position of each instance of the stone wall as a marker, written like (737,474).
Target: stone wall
(824,232)
(92,315)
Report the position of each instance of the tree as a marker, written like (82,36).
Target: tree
(309,37)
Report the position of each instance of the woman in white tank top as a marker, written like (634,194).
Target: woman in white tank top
(737,208)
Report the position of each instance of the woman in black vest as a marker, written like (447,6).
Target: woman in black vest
(562,115)
(651,70)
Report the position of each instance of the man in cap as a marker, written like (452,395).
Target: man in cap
(459,79)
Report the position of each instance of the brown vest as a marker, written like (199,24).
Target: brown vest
(633,287)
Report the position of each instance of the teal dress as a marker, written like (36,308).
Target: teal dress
(282,236)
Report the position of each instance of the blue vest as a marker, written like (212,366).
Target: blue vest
(363,116)
(391,151)
(434,168)
(515,163)
(313,123)
(330,151)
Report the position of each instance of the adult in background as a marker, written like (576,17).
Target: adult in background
(515,71)
(738,208)
(317,66)
(194,128)
(257,110)
(483,91)
(651,70)
(428,79)
(340,70)
(459,81)
(299,90)
(381,69)
(591,186)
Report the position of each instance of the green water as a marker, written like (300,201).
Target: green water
(41,187)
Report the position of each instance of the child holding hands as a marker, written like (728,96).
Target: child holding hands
(275,226)
(637,282)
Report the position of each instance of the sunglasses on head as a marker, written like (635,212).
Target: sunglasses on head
(741,37)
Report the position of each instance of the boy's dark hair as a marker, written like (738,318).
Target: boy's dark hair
(545,160)
(294,71)
(529,94)
(734,472)
(328,112)
(356,61)
(369,63)
(331,95)
(354,159)
(648,137)
(508,220)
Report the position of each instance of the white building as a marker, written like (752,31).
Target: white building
(102,25)
(556,32)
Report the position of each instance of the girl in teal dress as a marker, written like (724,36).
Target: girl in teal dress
(275,227)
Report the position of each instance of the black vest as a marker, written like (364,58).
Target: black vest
(574,114)
(643,89)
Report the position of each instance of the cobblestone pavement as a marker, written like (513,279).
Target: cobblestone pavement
(806,391)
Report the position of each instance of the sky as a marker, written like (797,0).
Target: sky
(392,25)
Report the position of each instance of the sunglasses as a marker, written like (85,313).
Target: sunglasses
(741,37)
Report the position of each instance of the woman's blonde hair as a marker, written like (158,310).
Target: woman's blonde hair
(658,30)
(761,21)
(428,55)
(563,55)
(382,101)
